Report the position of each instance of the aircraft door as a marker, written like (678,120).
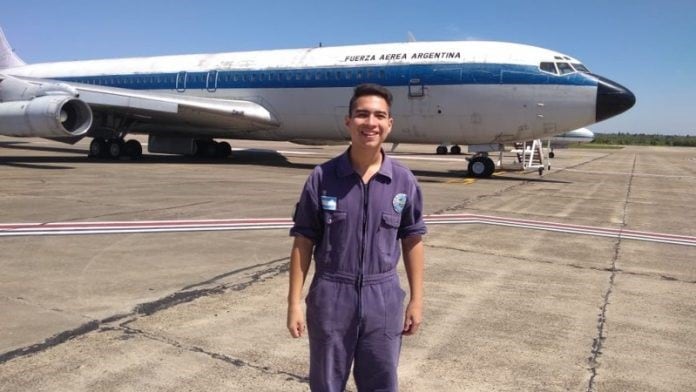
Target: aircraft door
(416,89)
(181,81)
(211,81)
(418,95)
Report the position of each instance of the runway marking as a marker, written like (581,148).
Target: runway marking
(465,181)
(165,226)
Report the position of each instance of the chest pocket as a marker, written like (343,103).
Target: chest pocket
(386,235)
(334,241)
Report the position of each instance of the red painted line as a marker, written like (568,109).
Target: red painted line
(114,227)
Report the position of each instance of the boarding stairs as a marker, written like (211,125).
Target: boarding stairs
(530,156)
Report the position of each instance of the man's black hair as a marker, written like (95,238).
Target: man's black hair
(370,89)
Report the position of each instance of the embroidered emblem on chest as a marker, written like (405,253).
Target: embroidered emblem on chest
(399,202)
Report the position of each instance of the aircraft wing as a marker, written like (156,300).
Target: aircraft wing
(157,110)
(164,108)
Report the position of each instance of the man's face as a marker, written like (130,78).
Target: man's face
(370,122)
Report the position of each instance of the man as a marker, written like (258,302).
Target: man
(352,212)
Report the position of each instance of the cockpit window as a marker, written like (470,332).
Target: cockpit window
(580,68)
(564,68)
(548,67)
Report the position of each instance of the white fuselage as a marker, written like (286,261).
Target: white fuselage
(455,92)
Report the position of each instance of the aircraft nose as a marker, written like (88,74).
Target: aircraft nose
(612,99)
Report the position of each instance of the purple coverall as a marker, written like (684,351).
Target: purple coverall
(355,304)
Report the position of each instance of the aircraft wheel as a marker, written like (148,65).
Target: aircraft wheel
(490,167)
(456,150)
(224,149)
(210,149)
(133,149)
(481,167)
(551,154)
(115,148)
(441,150)
(97,148)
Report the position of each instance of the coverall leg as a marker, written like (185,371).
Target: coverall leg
(343,329)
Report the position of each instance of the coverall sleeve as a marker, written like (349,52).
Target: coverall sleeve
(306,218)
(412,216)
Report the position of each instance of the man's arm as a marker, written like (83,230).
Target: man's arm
(412,250)
(300,257)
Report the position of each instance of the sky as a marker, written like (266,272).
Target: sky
(646,46)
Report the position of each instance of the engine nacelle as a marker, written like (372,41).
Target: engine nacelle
(45,116)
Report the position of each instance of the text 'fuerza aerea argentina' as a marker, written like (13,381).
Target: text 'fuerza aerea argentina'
(404,56)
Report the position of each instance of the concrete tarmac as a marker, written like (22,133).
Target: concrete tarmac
(564,298)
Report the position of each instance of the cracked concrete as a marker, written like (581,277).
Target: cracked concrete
(505,309)
(598,341)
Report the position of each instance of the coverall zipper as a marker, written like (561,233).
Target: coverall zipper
(363,247)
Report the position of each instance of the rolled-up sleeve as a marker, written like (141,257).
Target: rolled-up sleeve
(412,216)
(306,218)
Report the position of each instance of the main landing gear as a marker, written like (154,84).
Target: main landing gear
(442,150)
(115,148)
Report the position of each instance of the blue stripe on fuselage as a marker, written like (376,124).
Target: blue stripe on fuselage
(315,77)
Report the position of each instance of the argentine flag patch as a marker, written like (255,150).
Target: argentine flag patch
(328,203)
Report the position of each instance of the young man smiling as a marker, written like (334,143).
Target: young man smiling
(352,213)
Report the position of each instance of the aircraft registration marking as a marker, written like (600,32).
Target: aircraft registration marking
(122,227)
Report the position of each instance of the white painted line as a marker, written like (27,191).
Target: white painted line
(168,226)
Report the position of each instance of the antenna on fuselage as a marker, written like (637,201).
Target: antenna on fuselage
(410,37)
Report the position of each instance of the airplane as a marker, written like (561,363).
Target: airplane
(577,136)
(476,93)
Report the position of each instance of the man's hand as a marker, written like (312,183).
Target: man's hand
(413,318)
(296,322)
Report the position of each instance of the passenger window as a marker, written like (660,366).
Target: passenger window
(565,68)
(548,67)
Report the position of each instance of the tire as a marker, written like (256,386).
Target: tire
(115,149)
(224,150)
(441,150)
(455,150)
(481,167)
(97,148)
(133,149)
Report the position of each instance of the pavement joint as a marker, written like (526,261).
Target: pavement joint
(132,213)
(465,203)
(598,342)
(149,308)
(237,362)
(54,340)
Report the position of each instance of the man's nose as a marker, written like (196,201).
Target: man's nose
(372,119)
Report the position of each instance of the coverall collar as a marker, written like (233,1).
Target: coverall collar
(345,169)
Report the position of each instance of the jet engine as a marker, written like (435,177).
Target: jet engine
(47,116)
(41,109)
